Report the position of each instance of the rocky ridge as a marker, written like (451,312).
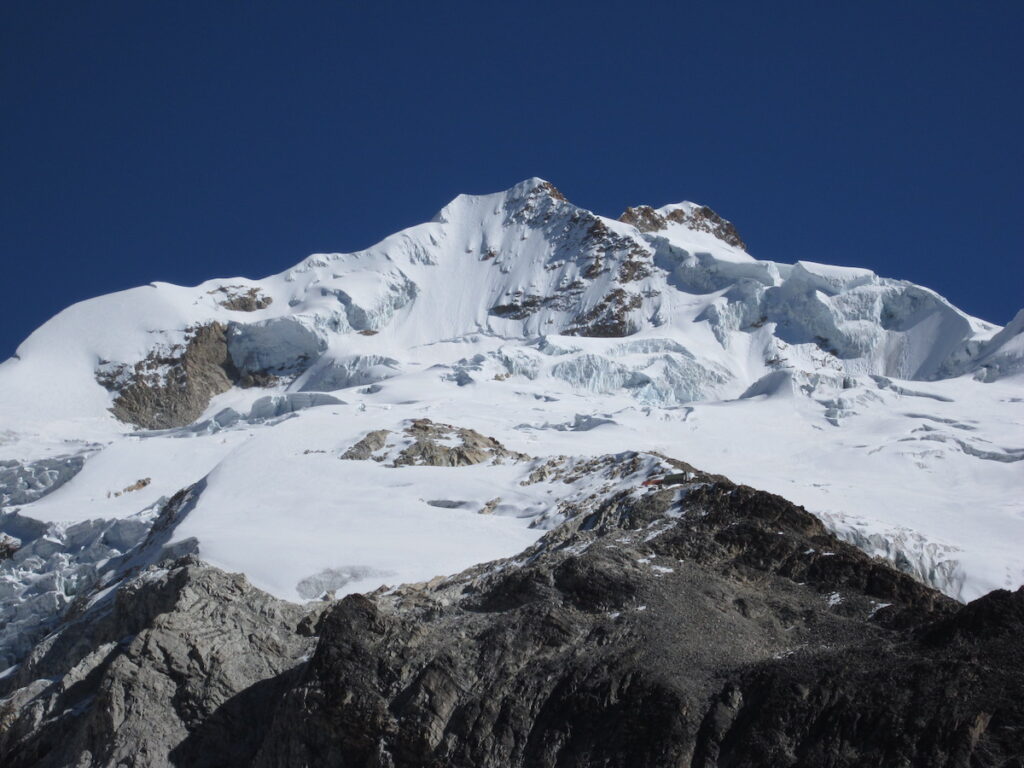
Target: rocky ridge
(700,624)
(279,427)
(171,389)
(424,443)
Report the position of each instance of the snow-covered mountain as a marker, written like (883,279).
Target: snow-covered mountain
(304,428)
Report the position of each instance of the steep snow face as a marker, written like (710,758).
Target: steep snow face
(873,402)
(999,357)
(521,265)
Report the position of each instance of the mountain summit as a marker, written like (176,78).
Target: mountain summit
(487,493)
(523,265)
(889,413)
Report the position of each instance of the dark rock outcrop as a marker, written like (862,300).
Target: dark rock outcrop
(179,667)
(703,219)
(610,317)
(644,218)
(173,389)
(741,633)
(698,624)
(427,443)
(700,219)
(238,298)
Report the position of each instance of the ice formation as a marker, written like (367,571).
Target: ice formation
(886,411)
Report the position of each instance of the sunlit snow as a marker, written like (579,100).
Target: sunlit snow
(883,409)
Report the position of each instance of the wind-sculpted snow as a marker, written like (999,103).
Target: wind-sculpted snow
(372,298)
(552,330)
(351,371)
(668,379)
(650,346)
(999,357)
(274,406)
(580,423)
(702,272)
(520,362)
(280,346)
(267,410)
(596,374)
(330,580)
(863,323)
(678,379)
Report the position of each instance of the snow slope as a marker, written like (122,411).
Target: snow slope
(874,402)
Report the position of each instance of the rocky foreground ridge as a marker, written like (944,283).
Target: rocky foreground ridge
(698,624)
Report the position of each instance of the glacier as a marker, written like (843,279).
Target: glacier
(890,414)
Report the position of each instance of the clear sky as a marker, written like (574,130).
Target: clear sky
(179,141)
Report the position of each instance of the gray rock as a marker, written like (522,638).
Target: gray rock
(429,448)
(367,446)
(181,667)
(706,624)
(238,298)
(637,637)
(163,391)
(425,443)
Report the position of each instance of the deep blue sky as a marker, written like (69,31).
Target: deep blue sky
(179,141)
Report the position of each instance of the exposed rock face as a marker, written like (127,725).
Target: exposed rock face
(699,624)
(699,218)
(597,251)
(592,308)
(703,219)
(738,634)
(172,390)
(644,218)
(370,445)
(239,299)
(610,317)
(180,667)
(425,443)
(535,205)
(172,387)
